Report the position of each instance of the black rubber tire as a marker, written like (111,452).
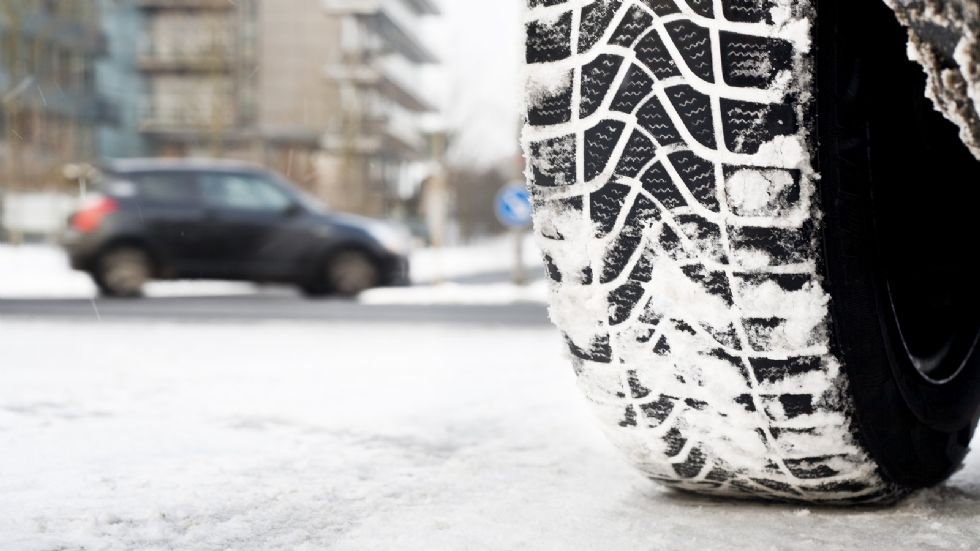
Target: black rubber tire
(345,273)
(891,162)
(122,272)
(712,197)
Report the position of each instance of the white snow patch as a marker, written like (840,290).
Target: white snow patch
(128,436)
(42,271)
(785,151)
(492,254)
(453,293)
(756,192)
(673,293)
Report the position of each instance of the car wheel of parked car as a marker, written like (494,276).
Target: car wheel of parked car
(123,271)
(760,236)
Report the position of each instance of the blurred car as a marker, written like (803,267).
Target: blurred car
(203,219)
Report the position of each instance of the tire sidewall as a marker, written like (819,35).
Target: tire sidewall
(917,430)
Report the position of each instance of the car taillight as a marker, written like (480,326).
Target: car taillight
(90,217)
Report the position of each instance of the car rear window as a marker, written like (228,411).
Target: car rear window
(167,188)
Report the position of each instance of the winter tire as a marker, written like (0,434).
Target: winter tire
(122,272)
(759,233)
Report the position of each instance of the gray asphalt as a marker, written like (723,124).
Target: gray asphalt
(269,306)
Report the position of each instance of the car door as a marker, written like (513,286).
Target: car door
(255,223)
(170,208)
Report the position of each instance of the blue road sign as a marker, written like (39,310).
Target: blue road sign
(513,206)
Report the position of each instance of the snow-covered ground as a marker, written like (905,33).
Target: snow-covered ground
(345,437)
(41,271)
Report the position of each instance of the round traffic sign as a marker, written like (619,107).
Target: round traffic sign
(513,206)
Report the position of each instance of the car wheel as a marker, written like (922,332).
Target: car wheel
(122,272)
(351,272)
(346,273)
(759,235)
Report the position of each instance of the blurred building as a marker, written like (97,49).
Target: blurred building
(50,108)
(119,82)
(197,60)
(326,91)
(379,139)
(321,90)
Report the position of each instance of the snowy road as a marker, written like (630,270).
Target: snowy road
(359,437)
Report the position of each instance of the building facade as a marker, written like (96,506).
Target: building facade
(325,91)
(320,90)
(378,139)
(50,109)
(119,82)
(197,60)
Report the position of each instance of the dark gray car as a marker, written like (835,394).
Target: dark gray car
(199,219)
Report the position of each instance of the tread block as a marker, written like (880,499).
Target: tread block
(654,119)
(635,87)
(553,161)
(600,140)
(753,61)
(694,109)
(597,78)
(552,106)
(694,43)
(638,154)
(652,52)
(749,125)
(595,20)
(549,40)
(634,23)
(698,175)
(606,205)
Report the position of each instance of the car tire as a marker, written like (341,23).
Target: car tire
(345,273)
(738,259)
(122,272)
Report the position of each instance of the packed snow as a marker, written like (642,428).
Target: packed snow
(161,436)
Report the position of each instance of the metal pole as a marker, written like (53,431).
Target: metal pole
(520,277)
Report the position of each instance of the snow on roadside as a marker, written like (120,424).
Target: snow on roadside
(156,436)
(488,255)
(453,293)
(42,271)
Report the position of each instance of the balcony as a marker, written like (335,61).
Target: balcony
(391,134)
(386,80)
(198,60)
(186,120)
(390,21)
(424,7)
(364,7)
(222,5)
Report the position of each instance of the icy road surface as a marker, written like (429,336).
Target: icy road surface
(384,437)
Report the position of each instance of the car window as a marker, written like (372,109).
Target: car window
(167,188)
(243,192)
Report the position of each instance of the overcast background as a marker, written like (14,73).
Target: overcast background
(479,42)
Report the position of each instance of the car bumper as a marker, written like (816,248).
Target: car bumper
(395,271)
(82,249)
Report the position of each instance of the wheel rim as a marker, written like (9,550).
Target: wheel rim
(350,273)
(925,191)
(125,273)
